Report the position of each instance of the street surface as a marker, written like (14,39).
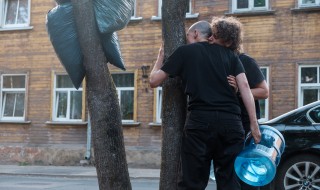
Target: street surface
(22,182)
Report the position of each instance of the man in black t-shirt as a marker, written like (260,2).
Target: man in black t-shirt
(259,89)
(213,129)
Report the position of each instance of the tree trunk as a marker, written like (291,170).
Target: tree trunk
(174,99)
(103,104)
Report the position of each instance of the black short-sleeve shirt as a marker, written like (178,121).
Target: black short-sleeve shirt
(254,76)
(204,68)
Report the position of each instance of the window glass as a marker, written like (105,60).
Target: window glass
(315,115)
(249,5)
(76,105)
(13,97)
(124,83)
(62,104)
(259,3)
(15,81)
(310,95)
(308,1)
(242,4)
(158,104)
(16,12)
(123,80)
(264,103)
(64,81)
(309,86)
(309,75)
(127,105)
(13,104)
(68,100)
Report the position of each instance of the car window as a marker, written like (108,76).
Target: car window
(301,119)
(314,115)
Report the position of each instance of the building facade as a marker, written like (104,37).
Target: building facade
(43,118)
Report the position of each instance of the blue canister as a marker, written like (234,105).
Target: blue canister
(256,165)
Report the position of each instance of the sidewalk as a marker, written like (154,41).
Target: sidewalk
(71,171)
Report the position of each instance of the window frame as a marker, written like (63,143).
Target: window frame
(54,101)
(134,16)
(3,11)
(189,14)
(250,8)
(17,90)
(307,86)
(158,104)
(133,88)
(305,5)
(266,109)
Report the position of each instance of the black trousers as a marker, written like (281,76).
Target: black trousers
(210,135)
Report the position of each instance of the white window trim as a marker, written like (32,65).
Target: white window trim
(54,106)
(250,8)
(302,87)
(3,26)
(135,17)
(188,14)
(13,90)
(317,3)
(158,104)
(266,111)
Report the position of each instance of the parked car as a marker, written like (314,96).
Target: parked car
(299,168)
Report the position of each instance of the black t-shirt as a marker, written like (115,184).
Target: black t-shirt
(204,68)
(254,76)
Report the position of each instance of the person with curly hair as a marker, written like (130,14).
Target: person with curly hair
(225,35)
(213,129)
(227,31)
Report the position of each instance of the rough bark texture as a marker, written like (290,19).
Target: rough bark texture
(174,100)
(103,105)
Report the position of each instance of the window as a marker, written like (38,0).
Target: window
(124,83)
(309,84)
(249,5)
(158,104)
(314,115)
(67,102)
(189,13)
(134,12)
(264,104)
(309,3)
(14,13)
(13,93)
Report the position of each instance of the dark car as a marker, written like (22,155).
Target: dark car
(299,168)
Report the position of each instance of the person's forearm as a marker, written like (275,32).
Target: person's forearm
(247,97)
(157,75)
(260,91)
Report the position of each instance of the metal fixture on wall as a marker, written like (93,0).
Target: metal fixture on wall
(145,69)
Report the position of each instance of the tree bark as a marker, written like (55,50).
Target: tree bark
(103,104)
(174,99)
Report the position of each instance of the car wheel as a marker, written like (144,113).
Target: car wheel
(301,172)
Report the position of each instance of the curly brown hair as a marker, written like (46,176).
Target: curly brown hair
(228,30)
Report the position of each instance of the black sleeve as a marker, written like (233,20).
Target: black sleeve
(238,67)
(174,64)
(253,72)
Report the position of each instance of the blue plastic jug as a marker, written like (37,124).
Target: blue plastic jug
(256,165)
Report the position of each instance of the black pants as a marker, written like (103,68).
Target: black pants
(210,135)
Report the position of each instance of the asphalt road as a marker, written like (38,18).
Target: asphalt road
(22,182)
